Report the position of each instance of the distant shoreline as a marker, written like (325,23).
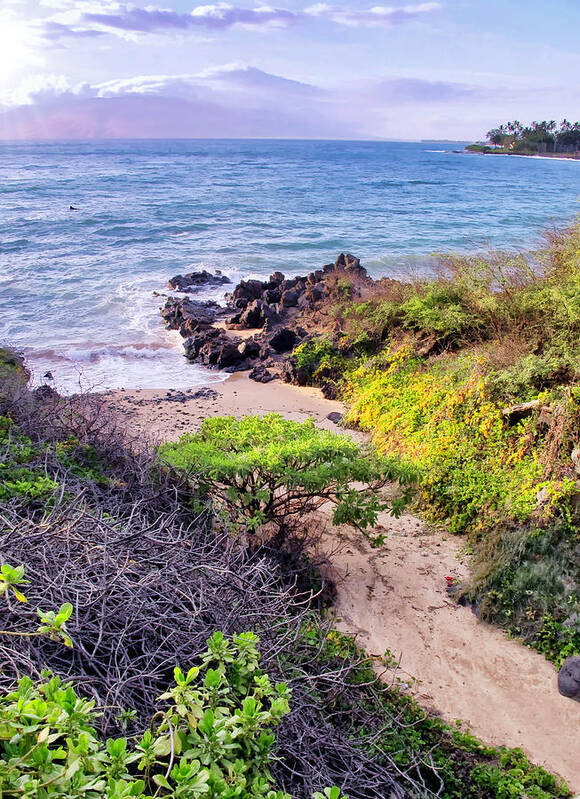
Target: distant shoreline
(489,151)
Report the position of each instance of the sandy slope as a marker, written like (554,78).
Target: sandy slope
(394,598)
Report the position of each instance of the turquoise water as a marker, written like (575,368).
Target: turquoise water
(76,287)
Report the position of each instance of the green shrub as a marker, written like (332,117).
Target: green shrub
(367,323)
(16,479)
(528,580)
(439,312)
(318,359)
(270,469)
(474,468)
(212,740)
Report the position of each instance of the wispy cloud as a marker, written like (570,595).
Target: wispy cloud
(216,17)
(375,17)
(84,19)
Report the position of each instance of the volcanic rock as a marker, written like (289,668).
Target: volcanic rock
(189,315)
(283,340)
(249,348)
(261,374)
(248,290)
(193,281)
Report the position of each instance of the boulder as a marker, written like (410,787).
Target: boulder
(569,678)
(193,281)
(249,348)
(261,374)
(292,374)
(289,298)
(347,263)
(219,350)
(314,277)
(198,314)
(253,315)
(272,295)
(194,344)
(283,340)
(276,278)
(335,417)
(229,354)
(266,352)
(315,294)
(248,290)
(271,315)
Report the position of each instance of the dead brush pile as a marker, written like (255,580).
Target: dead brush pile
(150,581)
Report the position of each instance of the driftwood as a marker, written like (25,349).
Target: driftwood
(515,413)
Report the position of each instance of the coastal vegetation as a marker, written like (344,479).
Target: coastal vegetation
(471,378)
(545,137)
(271,470)
(148,682)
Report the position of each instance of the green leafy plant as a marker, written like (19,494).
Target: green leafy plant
(329,793)
(10,577)
(53,624)
(270,469)
(213,740)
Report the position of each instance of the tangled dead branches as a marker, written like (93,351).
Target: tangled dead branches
(150,582)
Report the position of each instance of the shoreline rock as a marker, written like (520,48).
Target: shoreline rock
(279,309)
(194,281)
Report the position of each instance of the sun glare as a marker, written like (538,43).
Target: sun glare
(18,46)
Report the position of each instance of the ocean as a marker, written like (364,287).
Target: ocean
(79,289)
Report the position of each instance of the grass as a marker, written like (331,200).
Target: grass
(432,369)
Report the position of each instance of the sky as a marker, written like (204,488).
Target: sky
(343,69)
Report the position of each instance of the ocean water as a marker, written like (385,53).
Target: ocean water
(77,287)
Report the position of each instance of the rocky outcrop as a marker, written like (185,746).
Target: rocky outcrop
(194,281)
(189,316)
(275,308)
(261,374)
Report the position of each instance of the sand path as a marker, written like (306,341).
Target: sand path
(394,598)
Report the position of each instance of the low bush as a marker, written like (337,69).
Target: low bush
(475,469)
(212,738)
(260,470)
(527,579)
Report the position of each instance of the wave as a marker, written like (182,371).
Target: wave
(92,353)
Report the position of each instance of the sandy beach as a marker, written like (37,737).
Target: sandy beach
(164,415)
(394,598)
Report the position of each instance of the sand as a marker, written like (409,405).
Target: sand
(394,598)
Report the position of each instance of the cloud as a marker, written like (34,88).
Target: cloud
(232,100)
(53,31)
(122,19)
(212,17)
(375,17)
